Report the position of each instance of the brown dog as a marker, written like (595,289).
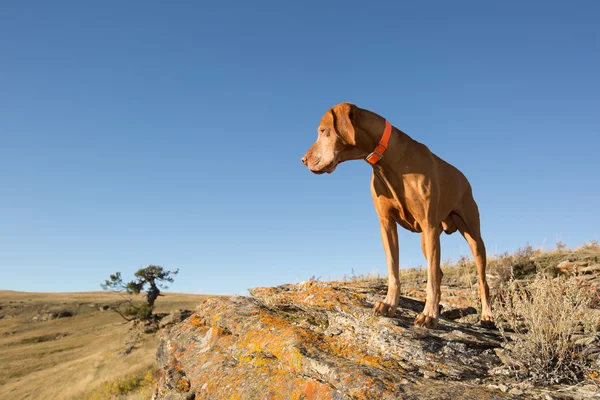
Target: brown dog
(410,186)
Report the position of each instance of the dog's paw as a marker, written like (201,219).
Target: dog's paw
(487,321)
(382,308)
(425,321)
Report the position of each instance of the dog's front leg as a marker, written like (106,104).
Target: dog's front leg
(430,315)
(389,236)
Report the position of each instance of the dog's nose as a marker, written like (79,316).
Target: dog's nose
(304,160)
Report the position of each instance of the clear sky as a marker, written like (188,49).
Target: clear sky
(170,133)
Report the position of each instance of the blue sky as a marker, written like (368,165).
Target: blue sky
(136,133)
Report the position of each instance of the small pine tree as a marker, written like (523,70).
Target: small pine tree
(151,279)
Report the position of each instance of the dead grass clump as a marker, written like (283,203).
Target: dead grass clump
(553,327)
(374,275)
(468,273)
(501,268)
(592,246)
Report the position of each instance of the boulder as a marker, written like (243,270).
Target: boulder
(174,317)
(570,267)
(320,340)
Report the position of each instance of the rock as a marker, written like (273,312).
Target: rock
(457,313)
(320,340)
(586,278)
(507,360)
(175,317)
(149,327)
(570,268)
(592,269)
(589,388)
(515,391)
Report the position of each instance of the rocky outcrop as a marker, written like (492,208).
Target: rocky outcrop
(320,340)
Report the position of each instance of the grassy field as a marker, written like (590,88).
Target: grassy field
(78,356)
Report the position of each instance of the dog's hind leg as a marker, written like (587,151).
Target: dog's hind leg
(467,221)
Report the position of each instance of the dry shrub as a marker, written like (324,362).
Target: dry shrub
(592,245)
(469,280)
(553,327)
(501,267)
(374,275)
(560,246)
(518,265)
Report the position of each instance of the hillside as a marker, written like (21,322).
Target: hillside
(64,345)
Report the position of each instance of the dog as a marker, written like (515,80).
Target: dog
(411,187)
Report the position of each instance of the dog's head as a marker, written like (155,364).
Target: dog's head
(336,140)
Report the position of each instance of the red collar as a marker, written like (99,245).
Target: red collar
(377,154)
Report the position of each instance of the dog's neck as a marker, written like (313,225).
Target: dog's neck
(370,130)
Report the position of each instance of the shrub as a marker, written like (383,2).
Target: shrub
(560,246)
(501,267)
(592,245)
(552,322)
(518,265)
(144,312)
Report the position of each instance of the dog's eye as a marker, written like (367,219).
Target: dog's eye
(324,131)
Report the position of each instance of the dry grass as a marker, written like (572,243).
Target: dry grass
(460,278)
(550,323)
(371,276)
(524,263)
(139,385)
(74,356)
(527,262)
(553,324)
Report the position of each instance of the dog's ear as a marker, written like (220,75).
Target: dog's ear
(344,116)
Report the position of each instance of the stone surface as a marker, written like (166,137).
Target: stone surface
(457,313)
(571,268)
(592,269)
(174,317)
(321,341)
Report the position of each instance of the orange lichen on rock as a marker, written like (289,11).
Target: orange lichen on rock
(315,340)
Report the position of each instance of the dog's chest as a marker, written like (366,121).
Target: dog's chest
(405,217)
(403,209)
